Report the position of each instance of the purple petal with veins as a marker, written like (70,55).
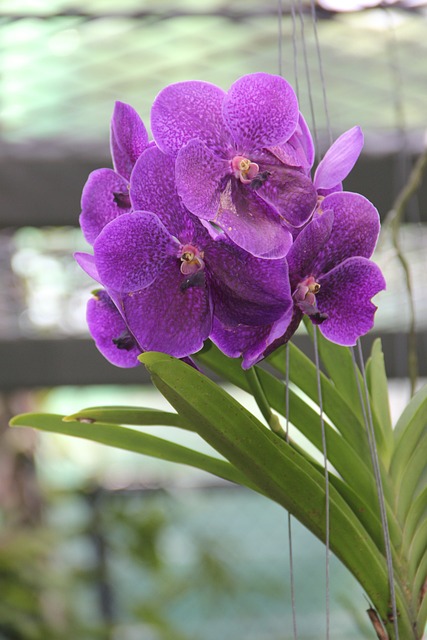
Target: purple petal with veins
(298,151)
(128,138)
(105,197)
(251,223)
(304,139)
(108,329)
(87,262)
(339,160)
(166,317)
(131,250)
(152,188)
(248,342)
(199,177)
(354,232)
(306,247)
(345,297)
(187,110)
(260,110)
(290,192)
(245,289)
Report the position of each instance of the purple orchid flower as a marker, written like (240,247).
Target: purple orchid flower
(106,192)
(241,158)
(332,279)
(169,277)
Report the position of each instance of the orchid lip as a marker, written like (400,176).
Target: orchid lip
(191,259)
(305,299)
(243,169)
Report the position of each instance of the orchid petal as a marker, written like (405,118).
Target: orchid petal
(105,197)
(199,175)
(290,192)
(345,297)
(187,110)
(245,289)
(247,341)
(251,224)
(152,188)
(87,262)
(354,232)
(306,247)
(165,317)
(339,160)
(128,138)
(260,110)
(110,332)
(131,250)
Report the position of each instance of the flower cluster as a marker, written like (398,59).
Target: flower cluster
(216,228)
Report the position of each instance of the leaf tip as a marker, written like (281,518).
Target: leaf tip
(150,358)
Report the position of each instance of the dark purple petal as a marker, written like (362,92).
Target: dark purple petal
(306,247)
(250,223)
(111,335)
(354,232)
(290,192)
(245,289)
(298,151)
(345,297)
(187,110)
(105,197)
(199,175)
(339,160)
(260,110)
(165,317)
(87,262)
(152,188)
(305,140)
(131,250)
(248,342)
(128,138)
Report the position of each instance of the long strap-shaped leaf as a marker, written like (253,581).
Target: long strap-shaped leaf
(279,471)
(132,440)
(304,375)
(410,430)
(350,465)
(129,415)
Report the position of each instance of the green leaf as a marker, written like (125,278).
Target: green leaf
(356,471)
(132,440)
(411,479)
(276,468)
(417,549)
(420,593)
(417,511)
(408,431)
(378,389)
(303,373)
(129,415)
(339,364)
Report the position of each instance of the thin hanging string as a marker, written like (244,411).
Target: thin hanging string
(325,460)
(291,555)
(321,73)
(367,416)
(316,348)
(307,74)
(294,48)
